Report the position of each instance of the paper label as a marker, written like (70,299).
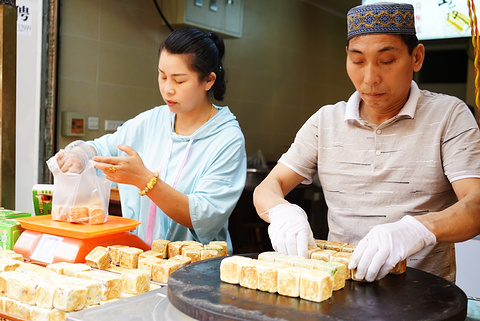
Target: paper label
(24,17)
(46,248)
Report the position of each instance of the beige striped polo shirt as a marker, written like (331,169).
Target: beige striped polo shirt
(377,174)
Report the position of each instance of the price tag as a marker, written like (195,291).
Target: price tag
(46,248)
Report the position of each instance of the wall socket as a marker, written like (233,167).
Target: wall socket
(112,125)
(92,123)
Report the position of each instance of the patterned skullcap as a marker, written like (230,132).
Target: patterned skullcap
(382,17)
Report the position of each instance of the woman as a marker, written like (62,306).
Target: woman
(180,167)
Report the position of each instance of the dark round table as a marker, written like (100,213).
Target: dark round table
(197,291)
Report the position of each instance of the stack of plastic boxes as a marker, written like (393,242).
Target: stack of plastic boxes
(10,229)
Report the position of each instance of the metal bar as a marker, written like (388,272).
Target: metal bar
(8,70)
(49,91)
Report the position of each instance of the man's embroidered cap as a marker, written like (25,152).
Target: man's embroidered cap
(381,18)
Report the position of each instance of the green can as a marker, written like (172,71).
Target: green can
(42,199)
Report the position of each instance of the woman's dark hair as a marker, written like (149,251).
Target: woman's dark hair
(207,50)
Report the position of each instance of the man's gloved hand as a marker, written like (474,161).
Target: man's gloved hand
(289,230)
(74,157)
(386,245)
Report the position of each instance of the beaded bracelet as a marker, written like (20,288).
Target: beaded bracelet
(150,184)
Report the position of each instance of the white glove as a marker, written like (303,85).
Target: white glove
(75,156)
(386,245)
(289,230)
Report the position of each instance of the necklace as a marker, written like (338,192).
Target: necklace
(175,122)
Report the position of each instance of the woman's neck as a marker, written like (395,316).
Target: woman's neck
(187,123)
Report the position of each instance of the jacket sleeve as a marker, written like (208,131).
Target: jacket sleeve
(219,189)
(131,133)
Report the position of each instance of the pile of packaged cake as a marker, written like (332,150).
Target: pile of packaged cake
(314,279)
(50,292)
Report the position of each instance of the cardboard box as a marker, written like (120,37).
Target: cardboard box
(12,214)
(42,199)
(10,231)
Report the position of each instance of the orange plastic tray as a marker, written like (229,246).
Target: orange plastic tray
(45,224)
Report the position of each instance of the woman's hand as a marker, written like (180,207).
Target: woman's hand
(125,170)
(74,158)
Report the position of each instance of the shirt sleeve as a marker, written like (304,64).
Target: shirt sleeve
(130,133)
(219,189)
(460,145)
(302,156)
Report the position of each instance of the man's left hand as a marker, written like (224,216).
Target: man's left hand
(386,245)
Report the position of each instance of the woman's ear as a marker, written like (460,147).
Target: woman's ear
(210,81)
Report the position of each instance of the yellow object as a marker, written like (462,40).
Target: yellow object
(476,43)
(458,20)
(150,184)
(112,169)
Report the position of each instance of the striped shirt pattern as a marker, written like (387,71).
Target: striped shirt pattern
(377,174)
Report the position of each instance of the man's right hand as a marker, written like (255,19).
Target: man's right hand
(289,230)
(74,157)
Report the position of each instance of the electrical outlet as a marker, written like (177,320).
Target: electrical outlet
(112,125)
(92,123)
(73,123)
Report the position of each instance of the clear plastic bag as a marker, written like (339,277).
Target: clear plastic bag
(80,198)
(257,161)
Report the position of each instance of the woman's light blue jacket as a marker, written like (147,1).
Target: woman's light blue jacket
(213,176)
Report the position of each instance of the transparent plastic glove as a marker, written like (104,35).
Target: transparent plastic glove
(289,230)
(74,158)
(386,245)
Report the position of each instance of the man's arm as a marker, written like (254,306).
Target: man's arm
(289,229)
(389,243)
(461,221)
(272,190)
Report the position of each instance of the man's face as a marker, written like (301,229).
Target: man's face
(381,70)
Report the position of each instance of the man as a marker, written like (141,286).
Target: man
(399,166)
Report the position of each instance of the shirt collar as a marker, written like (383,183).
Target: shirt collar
(352,111)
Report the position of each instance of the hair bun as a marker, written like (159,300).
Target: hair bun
(218,41)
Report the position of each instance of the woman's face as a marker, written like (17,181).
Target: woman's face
(180,86)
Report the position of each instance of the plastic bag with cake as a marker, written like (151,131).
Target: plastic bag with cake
(80,197)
